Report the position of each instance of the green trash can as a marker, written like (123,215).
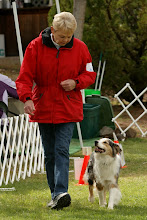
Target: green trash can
(90,125)
(89,92)
(105,113)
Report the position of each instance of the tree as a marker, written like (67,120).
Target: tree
(118,28)
(79,9)
(129,26)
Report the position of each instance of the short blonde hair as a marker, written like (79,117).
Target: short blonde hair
(64,21)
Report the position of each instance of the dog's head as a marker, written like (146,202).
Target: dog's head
(107,147)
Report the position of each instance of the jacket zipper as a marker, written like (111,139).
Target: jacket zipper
(40,95)
(57,54)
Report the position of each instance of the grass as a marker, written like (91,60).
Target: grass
(31,195)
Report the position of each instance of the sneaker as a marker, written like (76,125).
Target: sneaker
(50,203)
(61,201)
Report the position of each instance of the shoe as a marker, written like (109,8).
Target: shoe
(50,203)
(61,201)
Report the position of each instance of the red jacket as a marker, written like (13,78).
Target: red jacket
(47,67)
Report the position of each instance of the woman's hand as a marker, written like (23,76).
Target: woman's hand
(29,107)
(68,84)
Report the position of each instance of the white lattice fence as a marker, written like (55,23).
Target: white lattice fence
(21,152)
(125,109)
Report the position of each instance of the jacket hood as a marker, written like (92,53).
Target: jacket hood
(46,39)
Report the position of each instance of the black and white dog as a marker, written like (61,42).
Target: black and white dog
(103,169)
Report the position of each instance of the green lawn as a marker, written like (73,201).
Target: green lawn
(31,195)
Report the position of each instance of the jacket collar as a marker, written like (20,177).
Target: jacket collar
(46,39)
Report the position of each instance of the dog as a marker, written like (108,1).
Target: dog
(103,169)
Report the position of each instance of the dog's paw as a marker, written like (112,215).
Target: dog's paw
(103,205)
(110,207)
(91,199)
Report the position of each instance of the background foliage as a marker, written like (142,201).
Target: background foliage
(118,29)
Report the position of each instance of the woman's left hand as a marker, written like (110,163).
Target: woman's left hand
(68,84)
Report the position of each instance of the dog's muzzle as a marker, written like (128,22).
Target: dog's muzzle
(99,150)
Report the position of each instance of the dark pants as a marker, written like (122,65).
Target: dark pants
(56,140)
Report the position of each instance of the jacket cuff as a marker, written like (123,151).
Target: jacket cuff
(26,97)
(77,84)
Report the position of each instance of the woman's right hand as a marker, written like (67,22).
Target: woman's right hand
(29,107)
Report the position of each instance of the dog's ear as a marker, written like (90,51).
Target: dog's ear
(115,147)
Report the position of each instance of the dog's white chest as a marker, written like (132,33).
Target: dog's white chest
(105,169)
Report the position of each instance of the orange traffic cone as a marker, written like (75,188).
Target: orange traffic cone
(122,153)
(84,166)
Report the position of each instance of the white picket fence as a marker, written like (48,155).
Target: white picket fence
(21,152)
(125,109)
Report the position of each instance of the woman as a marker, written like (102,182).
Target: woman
(60,65)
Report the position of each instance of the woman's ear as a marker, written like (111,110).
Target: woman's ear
(52,29)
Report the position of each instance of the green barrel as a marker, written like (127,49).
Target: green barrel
(90,125)
(105,112)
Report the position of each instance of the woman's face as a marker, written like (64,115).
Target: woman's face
(61,37)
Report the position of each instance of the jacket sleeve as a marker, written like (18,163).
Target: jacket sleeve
(24,82)
(86,75)
(7,81)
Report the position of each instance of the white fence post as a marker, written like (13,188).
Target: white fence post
(21,152)
(125,109)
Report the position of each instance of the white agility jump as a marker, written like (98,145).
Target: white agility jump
(125,109)
(21,152)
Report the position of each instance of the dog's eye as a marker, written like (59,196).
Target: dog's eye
(105,142)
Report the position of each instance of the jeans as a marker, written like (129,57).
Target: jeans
(56,140)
